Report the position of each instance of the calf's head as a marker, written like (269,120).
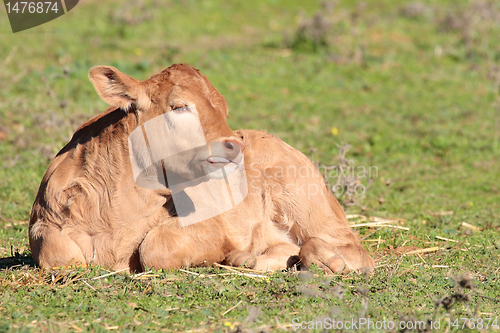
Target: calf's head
(181,131)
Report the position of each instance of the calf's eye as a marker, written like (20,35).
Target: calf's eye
(180,108)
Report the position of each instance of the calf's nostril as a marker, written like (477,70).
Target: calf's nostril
(233,145)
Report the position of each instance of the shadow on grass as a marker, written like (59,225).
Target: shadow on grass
(17,261)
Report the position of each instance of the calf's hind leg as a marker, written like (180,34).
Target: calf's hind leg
(51,246)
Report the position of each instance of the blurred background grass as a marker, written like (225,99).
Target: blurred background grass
(410,85)
(413,87)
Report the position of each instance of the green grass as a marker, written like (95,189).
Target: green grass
(414,97)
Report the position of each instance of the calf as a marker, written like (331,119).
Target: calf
(160,180)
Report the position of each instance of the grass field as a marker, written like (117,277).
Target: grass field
(412,87)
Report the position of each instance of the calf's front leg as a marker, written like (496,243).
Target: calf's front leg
(334,258)
(170,246)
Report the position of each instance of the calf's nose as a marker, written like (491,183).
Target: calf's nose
(232,144)
(233,148)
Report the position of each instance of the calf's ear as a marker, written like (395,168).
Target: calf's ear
(118,89)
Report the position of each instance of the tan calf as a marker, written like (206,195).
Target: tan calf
(100,202)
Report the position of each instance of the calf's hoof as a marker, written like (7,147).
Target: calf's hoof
(240,259)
